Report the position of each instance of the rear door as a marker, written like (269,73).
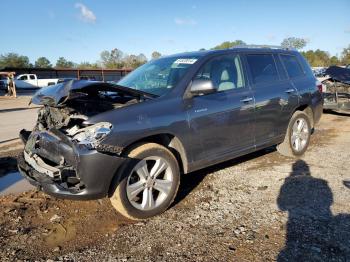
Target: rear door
(222,122)
(274,95)
(298,81)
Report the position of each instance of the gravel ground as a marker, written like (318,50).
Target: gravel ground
(261,207)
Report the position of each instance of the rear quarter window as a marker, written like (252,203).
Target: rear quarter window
(292,66)
(263,68)
(306,66)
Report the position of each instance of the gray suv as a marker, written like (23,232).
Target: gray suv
(131,140)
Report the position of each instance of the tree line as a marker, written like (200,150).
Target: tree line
(116,59)
(314,57)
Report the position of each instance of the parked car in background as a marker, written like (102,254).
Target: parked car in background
(131,140)
(28,81)
(3,82)
(336,89)
(319,71)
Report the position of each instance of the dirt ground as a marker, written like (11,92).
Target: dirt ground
(261,207)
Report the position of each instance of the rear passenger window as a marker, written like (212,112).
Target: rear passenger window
(292,66)
(263,68)
(32,77)
(224,71)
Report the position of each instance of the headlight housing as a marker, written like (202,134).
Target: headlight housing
(91,136)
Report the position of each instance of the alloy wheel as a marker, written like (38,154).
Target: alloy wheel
(300,134)
(149,183)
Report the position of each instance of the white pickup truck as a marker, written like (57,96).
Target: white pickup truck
(27,81)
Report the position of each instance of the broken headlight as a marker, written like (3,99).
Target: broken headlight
(90,136)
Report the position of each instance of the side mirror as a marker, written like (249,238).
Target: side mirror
(202,87)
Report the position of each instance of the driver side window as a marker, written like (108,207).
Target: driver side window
(224,71)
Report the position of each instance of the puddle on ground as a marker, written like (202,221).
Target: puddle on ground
(13,183)
(61,233)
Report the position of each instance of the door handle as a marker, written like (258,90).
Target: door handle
(247,100)
(290,90)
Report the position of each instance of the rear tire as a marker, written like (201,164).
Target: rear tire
(297,137)
(149,182)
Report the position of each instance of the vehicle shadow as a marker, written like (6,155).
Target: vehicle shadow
(346,183)
(332,112)
(7,164)
(188,182)
(16,109)
(313,233)
(20,92)
(9,175)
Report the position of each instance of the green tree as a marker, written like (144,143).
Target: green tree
(14,60)
(141,59)
(112,59)
(64,63)
(43,62)
(228,44)
(156,55)
(345,56)
(320,58)
(133,61)
(294,42)
(334,60)
(87,65)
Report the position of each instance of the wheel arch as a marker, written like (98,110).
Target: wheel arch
(171,142)
(303,108)
(167,140)
(307,110)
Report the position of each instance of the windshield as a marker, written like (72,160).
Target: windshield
(158,76)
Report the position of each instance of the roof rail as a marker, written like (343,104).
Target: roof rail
(264,46)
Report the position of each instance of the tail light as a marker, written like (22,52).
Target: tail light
(319,86)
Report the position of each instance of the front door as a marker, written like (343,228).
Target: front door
(221,123)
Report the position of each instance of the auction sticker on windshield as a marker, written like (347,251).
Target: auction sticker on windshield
(185,61)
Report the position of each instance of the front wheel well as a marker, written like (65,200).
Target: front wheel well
(169,141)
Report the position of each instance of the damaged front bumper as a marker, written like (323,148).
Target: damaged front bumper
(64,169)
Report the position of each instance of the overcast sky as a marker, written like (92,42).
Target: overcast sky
(80,30)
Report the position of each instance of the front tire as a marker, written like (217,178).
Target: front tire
(149,182)
(297,137)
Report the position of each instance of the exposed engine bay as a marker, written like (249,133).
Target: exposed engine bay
(68,105)
(336,89)
(78,104)
(74,112)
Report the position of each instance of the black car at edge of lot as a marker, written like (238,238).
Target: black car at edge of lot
(131,140)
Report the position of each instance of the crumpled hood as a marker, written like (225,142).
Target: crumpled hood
(339,74)
(57,95)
